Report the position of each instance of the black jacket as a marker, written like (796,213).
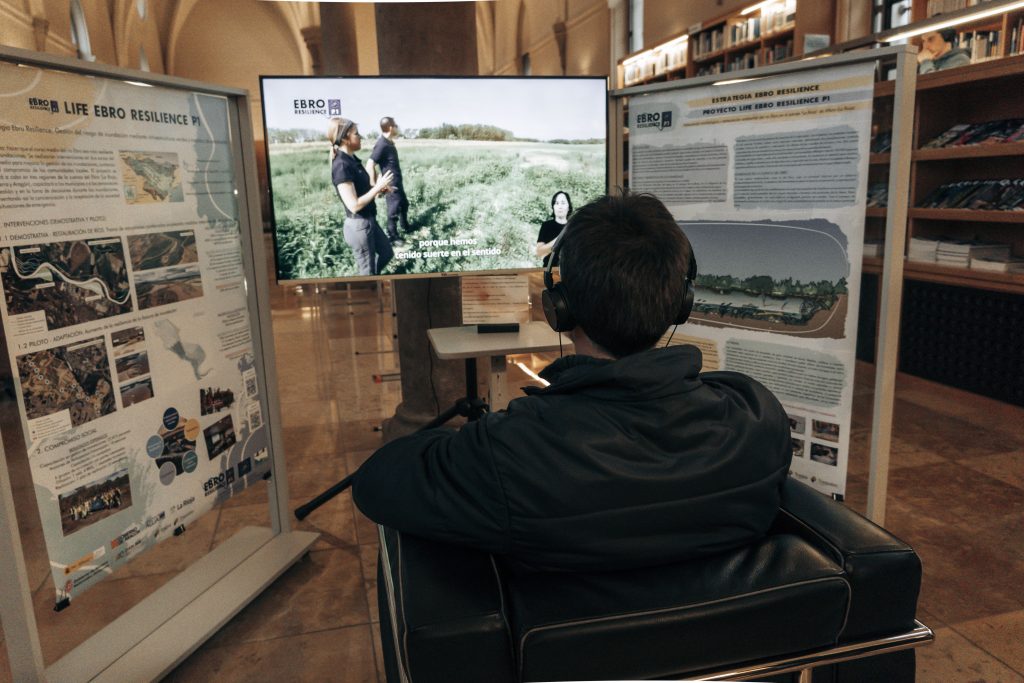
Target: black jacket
(618,464)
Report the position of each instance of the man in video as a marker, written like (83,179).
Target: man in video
(385,155)
(631,457)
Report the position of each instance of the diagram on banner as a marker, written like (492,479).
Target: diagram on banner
(787,277)
(151,177)
(67,282)
(173,448)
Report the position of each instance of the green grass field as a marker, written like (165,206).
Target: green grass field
(497,193)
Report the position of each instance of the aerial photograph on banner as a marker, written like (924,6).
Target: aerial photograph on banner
(75,378)
(168,285)
(162,249)
(151,177)
(94,501)
(136,392)
(128,340)
(787,277)
(69,282)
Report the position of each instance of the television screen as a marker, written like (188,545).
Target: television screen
(477,163)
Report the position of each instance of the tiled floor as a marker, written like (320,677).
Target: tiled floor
(956,494)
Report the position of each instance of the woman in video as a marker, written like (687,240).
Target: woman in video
(551,229)
(369,244)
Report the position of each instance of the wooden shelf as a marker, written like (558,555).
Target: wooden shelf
(880,159)
(875,212)
(885,89)
(995,149)
(781,32)
(872,264)
(710,56)
(968,215)
(1012,283)
(1006,67)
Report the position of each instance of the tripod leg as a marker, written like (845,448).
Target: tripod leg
(303,511)
(444,417)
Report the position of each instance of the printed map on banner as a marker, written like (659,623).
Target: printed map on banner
(125,313)
(768,179)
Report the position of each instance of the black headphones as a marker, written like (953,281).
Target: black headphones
(556,303)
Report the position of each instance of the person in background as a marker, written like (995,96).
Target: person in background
(385,155)
(368,242)
(561,208)
(937,52)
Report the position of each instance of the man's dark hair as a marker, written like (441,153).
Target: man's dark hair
(624,262)
(386,124)
(948,35)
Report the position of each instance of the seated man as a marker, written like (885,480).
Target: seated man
(630,457)
(937,52)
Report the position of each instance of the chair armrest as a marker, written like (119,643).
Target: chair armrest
(884,572)
(446,610)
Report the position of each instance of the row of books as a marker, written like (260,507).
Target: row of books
(873,248)
(981,45)
(988,132)
(982,195)
(707,42)
(709,69)
(747,60)
(746,30)
(987,256)
(778,16)
(947,6)
(1016,38)
(878,195)
(778,52)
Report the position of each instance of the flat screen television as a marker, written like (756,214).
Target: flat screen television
(481,159)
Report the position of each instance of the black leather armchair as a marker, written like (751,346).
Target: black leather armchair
(825,590)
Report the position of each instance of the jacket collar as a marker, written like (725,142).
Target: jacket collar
(653,372)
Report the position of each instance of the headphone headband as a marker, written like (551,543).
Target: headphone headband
(556,303)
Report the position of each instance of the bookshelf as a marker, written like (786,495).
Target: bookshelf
(988,38)
(759,34)
(975,94)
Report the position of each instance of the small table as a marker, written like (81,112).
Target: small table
(451,343)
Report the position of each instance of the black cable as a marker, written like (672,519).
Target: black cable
(673,333)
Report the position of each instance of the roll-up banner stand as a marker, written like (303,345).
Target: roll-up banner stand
(139,385)
(766,172)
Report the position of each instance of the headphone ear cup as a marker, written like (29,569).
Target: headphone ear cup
(684,310)
(556,309)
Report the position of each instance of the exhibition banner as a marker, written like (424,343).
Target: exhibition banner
(768,179)
(125,312)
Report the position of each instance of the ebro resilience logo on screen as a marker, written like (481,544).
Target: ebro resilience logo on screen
(319,107)
(657,119)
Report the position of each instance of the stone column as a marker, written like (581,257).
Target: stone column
(314,43)
(338,54)
(426,39)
